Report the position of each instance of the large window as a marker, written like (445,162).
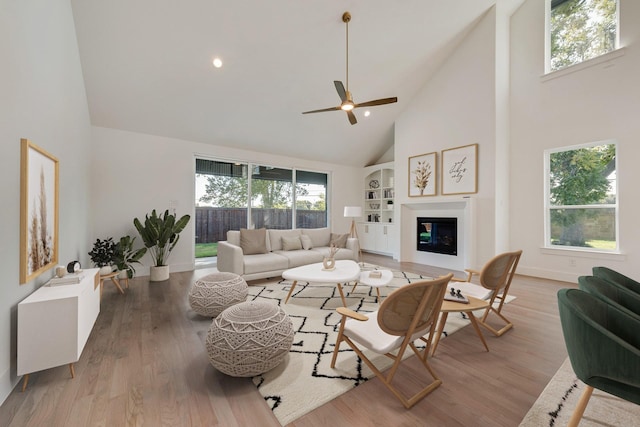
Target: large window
(581,197)
(580,30)
(234,195)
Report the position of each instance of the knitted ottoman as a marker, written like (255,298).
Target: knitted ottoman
(215,292)
(249,338)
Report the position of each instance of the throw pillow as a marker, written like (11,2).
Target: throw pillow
(306,242)
(291,243)
(340,240)
(253,241)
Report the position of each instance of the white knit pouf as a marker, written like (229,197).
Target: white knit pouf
(249,338)
(215,292)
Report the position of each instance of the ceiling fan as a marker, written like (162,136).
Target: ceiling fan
(347,104)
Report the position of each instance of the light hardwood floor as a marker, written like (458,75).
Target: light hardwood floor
(145,364)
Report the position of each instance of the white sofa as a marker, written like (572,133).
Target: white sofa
(276,260)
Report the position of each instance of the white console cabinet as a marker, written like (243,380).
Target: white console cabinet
(54,324)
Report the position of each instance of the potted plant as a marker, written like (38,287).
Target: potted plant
(102,255)
(160,234)
(125,256)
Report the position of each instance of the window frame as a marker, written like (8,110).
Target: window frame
(548,205)
(547,39)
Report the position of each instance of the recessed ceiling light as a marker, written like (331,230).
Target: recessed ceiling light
(217,62)
(367,113)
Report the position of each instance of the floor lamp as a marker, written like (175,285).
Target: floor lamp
(354,212)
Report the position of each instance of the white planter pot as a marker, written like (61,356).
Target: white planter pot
(159,274)
(122,274)
(107,269)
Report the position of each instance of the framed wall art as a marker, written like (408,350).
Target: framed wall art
(38,211)
(423,175)
(460,170)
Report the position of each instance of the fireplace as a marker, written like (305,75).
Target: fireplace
(438,235)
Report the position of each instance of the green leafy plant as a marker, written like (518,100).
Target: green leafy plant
(160,234)
(103,252)
(125,256)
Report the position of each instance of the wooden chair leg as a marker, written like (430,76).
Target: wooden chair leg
(582,405)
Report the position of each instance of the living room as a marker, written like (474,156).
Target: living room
(490,89)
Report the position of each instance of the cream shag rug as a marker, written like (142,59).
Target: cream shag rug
(305,380)
(560,397)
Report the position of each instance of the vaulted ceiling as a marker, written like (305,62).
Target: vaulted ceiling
(147,68)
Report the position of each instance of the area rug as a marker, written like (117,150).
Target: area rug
(305,380)
(560,397)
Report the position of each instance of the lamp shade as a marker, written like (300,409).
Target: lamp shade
(352,211)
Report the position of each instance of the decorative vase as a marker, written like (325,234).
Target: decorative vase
(328,263)
(159,273)
(107,269)
(123,274)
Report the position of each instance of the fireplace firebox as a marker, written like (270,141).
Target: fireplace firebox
(438,235)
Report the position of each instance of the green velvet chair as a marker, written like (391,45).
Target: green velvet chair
(603,344)
(614,277)
(611,293)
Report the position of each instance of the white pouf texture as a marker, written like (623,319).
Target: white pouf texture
(215,292)
(249,338)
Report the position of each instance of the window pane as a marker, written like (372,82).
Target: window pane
(581,30)
(584,176)
(221,203)
(271,197)
(589,228)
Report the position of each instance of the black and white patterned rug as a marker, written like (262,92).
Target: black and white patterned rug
(305,380)
(560,397)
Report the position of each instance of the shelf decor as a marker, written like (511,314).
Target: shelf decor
(38,211)
(422,175)
(460,170)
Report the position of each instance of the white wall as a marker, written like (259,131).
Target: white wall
(134,173)
(43,99)
(455,108)
(590,104)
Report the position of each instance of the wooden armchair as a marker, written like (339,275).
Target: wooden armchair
(407,314)
(495,280)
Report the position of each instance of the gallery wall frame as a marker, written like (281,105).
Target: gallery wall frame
(39,195)
(423,175)
(459,170)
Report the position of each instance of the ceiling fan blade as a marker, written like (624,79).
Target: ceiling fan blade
(377,102)
(352,117)
(340,88)
(323,110)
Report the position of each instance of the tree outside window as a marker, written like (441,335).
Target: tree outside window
(581,30)
(582,197)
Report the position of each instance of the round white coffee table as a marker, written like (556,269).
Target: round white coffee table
(375,282)
(345,271)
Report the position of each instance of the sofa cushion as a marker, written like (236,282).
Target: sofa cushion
(319,236)
(253,241)
(340,254)
(275,237)
(291,243)
(264,262)
(339,240)
(300,257)
(306,242)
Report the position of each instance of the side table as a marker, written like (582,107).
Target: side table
(458,307)
(374,282)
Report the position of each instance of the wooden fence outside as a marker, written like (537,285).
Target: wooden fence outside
(212,224)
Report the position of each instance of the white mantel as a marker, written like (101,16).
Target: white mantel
(463,209)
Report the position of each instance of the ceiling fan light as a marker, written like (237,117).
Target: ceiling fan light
(347,106)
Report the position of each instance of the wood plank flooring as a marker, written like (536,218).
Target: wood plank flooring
(145,364)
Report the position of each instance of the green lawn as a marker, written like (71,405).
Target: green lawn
(204,250)
(602,244)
